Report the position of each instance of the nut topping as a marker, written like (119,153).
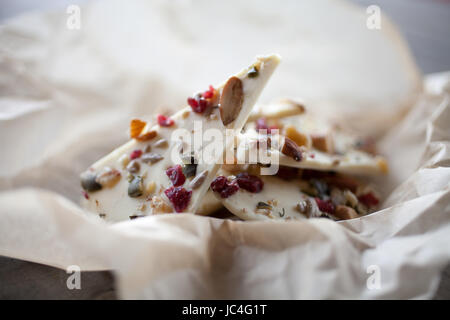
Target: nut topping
(198,180)
(291,149)
(231,100)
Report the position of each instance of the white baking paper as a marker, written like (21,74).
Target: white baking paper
(67,95)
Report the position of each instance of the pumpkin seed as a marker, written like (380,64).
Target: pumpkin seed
(88,181)
(135,188)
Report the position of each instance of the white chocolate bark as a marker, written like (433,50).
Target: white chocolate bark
(114,203)
(345,158)
(298,198)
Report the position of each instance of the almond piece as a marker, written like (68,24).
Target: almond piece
(146,136)
(345,213)
(291,149)
(299,138)
(231,100)
(322,142)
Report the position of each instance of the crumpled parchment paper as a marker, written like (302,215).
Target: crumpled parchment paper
(66,97)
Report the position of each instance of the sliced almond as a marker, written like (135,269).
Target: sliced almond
(231,100)
(198,180)
(108,177)
(291,149)
(146,136)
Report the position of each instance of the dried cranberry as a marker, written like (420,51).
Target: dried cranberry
(179,197)
(325,205)
(135,154)
(250,183)
(85,194)
(219,183)
(164,121)
(210,93)
(176,175)
(202,101)
(230,189)
(368,199)
(224,187)
(193,103)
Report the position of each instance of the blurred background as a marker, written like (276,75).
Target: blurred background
(424,24)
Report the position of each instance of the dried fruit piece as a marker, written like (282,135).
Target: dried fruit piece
(133,166)
(136,127)
(261,124)
(322,142)
(201,102)
(249,182)
(147,136)
(179,197)
(164,121)
(135,154)
(231,100)
(108,177)
(369,199)
(299,138)
(85,195)
(325,205)
(224,187)
(344,212)
(135,188)
(88,181)
(198,180)
(176,175)
(151,157)
(291,149)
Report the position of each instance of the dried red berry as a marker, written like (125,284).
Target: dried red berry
(176,175)
(249,182)
(135,154)
(85,194)
(210,93)
(192,102)
(179,197)
(219,183)
(368,199)
(164,121)
(202,100)
(224,187)
(325,205)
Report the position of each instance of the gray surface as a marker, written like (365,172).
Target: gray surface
(426,26)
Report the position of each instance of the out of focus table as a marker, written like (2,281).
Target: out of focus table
(426,26)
